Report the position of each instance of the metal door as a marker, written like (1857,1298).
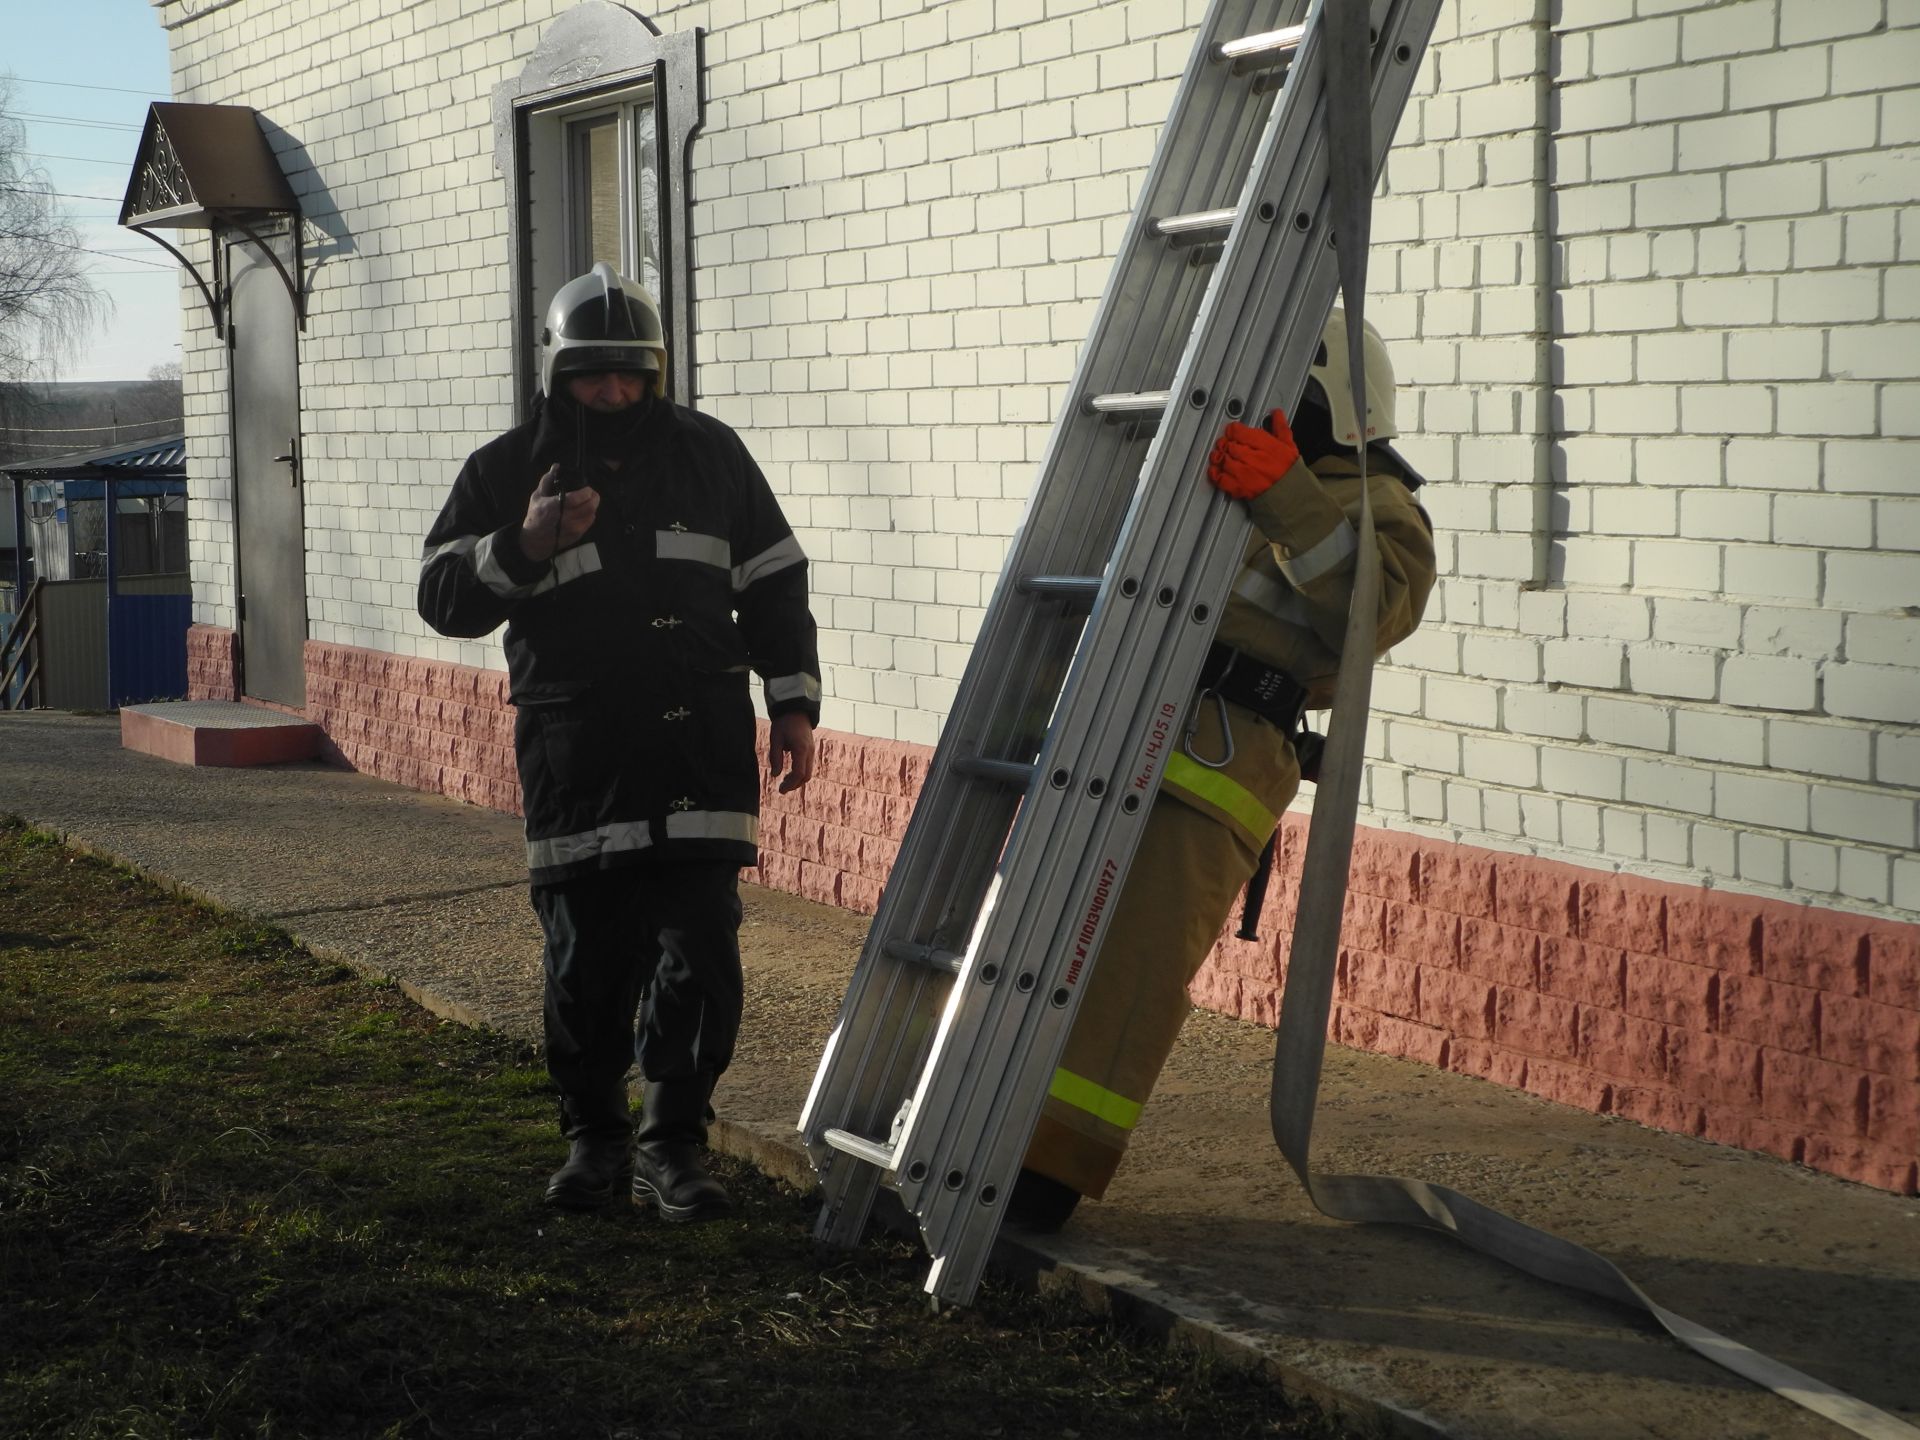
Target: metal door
(266,475)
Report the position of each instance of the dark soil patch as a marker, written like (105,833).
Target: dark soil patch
(245,1192)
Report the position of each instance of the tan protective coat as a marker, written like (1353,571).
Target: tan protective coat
(1208,826)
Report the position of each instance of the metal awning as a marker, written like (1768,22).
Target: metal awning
(202,167)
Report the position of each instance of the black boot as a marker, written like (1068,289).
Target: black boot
(1040,1204)
(669,1165)
(595,1164)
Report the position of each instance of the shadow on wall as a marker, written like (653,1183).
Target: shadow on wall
(324,234)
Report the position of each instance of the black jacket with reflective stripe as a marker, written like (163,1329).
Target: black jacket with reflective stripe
(628,655)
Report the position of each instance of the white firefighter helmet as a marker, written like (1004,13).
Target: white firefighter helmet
(602,321)
(1329,372)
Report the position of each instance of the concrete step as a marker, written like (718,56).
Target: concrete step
(217,732)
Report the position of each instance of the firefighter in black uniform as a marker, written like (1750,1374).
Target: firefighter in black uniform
(642,568)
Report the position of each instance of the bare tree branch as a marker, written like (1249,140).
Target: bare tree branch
(48,306)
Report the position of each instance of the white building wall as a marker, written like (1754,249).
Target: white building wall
(1651,272)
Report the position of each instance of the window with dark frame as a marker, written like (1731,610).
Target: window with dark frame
(593,139)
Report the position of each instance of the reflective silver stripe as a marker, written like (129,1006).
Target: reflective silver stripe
(492,575)
(685,545)
(774,557)
(1279,600)
(459,545)
(568,565)
(568,849)
(713,825)
(1323,557)
(793,687)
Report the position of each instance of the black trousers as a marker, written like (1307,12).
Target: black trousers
(657,945)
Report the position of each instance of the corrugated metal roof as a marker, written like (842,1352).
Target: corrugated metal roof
(164,457)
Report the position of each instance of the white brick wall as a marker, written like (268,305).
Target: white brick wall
(1650,270)
(1735,225)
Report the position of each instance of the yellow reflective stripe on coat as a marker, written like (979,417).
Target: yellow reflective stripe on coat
(1214,787)
(1099,1102)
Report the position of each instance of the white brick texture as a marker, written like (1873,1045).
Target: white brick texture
(1669,431)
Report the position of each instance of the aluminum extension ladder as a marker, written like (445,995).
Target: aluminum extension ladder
(935,1072)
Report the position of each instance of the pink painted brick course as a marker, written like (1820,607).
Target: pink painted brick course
(1431,937)
(1817,948)
(1487,1061)
(213,663)
(1620,910)
(1859,1160)
(1258,1003)
(779,872)
(1823,1096)
(1893,965)
(839,847)
(1759,1011)
(1660,1108)
(1378,982)
(1705,927)
(858,894)
(1622,1046)
(1362,922)
(1754,1132)
(1880,1038)
(1458,880)
(1388,1035)
(1459,1004)
(1500,953)
(1539,897)
(1216,988)
(1568,1085)
(817,882)
(1721,1072)
(1670,992)
(1537,1024)
(1383,864)
(1893,1115)
(865,811)
(1589,974)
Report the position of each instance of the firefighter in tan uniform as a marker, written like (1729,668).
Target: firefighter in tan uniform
(1224,789)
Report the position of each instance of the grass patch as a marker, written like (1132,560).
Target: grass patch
(244,1192)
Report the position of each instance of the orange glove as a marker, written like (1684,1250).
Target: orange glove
(1246,462)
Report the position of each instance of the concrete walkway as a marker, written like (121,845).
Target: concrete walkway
(1406,1328)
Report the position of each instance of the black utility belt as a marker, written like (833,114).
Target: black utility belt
(1237,677)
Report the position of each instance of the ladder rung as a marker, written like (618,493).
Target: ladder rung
(1143,402)
(861,1148)
(917,954)
(1008,772)
(1270,47)
(1201,226)
(1071,586)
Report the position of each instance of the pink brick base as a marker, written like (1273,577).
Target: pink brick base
(213,663)
(420,723)
(1775,1027)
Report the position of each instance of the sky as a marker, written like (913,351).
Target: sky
(82,73)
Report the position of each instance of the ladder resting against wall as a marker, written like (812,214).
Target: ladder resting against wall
(962,1000)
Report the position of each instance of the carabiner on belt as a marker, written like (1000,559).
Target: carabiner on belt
(1193,725)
